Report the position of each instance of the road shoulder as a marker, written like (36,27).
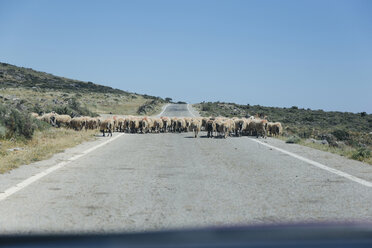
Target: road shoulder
(352,167)
(18,175)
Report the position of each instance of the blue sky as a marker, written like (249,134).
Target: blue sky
(312,54)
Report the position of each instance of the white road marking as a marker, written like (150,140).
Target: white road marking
(319,165)
(190,110)
(10,191)
(164,108)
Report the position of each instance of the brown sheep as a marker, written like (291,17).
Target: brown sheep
(158,125)
(195,126)
(120,124)
(77,123)
(240,125)
(274,128)
(107,126)
(134,124)
(173,124)
(258,127)
(91,123)
(62,120)
(49,118)
(181,125)
(210,127)
(166,124)
(144,125)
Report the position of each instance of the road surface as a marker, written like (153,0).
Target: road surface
(137,182)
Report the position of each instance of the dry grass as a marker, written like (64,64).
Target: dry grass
(346,151)
(42,146)
(101,103)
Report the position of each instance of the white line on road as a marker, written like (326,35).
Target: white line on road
(190,110)
(319,165)
(34,178)
(164,108)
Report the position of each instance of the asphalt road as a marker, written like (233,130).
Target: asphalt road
(162,181)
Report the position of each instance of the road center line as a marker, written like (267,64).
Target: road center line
(164,108)
(319,165)
(10,191)
(190,110)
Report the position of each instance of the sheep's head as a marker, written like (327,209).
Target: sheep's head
(52,120)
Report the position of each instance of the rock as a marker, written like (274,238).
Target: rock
(339,144)
(15,149)
(315,141)
(331,140)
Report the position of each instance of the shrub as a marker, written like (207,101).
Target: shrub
(361,154)
(2,131)
(19,124)
(293,140)
(341,134)
(74,108)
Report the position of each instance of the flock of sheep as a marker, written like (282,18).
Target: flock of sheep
(215,127)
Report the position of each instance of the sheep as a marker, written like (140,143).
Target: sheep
(134,124)
(166,124)
(210,127)
(107,126)
(181,125)
(188,123)
(62,120)
(195,126)
(158,125)
(223,127)
(78,123)
(274,128)
(240,125)
(120,124)
(126,124)
(173,124)
(151,124)
(218,126)
(204,123)
(49,118)
(144,127)
(258,127)
(91,123)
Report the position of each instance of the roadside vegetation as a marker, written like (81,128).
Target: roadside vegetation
(41,92)
(24,139)
(343,133)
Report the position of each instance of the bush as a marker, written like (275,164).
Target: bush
(293,140)
(341,134)
(74,108)
(361,154)
(2,131)
(19,124)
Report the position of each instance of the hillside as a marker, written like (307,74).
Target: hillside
(344,132)
(25,90)
(36,91)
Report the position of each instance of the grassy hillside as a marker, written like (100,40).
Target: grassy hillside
(36,91)
(345,133)
(24,139)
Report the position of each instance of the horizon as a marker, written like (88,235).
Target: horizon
(278,54)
